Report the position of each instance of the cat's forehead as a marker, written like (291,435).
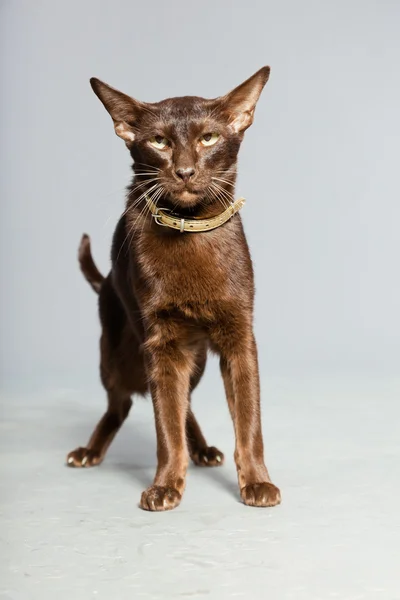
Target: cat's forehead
(184,108)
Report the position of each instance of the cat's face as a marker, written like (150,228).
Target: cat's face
(185,148)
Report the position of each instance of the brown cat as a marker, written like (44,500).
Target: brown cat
(181,283)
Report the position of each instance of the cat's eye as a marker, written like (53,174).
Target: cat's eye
(159,142)
(209,139)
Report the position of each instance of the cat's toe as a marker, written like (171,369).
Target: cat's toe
(261,494)
(208,457)
(83,457)
(159,498)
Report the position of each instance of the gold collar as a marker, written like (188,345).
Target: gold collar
(192,225)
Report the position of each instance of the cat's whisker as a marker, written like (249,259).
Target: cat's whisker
(231,167)
(146,169)
(216,196)
(130,207)
(162,190)
(209,197)
(127,237)
(223,181)
(142,215)
(139,183)
(143,183)
(229,175)
(145,207)
(144,173)
(126,209)
(221,192)
(225,200)
(147,191)
(229,178)
(152,167)
(155,198)
(224,192)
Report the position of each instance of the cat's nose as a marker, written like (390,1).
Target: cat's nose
(185,174)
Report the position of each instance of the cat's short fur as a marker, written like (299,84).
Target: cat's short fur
(171,296)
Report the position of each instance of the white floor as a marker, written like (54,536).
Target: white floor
(333,448)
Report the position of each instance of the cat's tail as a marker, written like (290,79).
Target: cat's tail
(88,267)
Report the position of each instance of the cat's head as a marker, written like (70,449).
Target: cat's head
(185,148)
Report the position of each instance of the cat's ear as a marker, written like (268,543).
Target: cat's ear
(240,103)
(123,109)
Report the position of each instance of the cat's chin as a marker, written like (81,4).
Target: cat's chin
(187,198)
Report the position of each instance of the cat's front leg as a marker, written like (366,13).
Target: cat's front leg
(239,367)
(169,367)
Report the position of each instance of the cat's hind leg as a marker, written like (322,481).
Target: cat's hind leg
(122,374)
(200,453)
(119,405)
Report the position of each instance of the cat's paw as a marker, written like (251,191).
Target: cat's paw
(208,457)
(83,457)
(261,494)
(157,498)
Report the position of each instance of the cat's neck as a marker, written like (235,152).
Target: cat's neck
(203,208)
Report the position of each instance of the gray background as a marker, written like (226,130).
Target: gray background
(320,171)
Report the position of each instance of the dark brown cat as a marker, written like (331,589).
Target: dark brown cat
(172,294)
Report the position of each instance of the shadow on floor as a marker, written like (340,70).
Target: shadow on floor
(133,451)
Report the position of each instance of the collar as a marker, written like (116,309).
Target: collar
(173,221)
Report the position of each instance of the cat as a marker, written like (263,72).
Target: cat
(177,290)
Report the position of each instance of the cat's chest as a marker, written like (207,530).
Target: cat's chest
(194,268)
